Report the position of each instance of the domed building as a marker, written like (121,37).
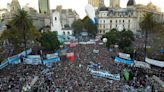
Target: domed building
(131,3)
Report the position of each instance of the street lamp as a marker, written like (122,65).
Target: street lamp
(105,40)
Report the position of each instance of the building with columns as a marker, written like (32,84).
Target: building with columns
(39,20)
(125,18)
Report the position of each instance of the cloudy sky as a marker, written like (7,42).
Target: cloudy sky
(78,5)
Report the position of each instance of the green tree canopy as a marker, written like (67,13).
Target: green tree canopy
(90,26)
(123,39)
(20,31)
(49,40)
(112,36)
(77,26)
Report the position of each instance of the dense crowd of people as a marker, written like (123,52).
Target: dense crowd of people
(73,75)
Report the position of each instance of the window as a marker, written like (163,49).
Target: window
(104,26)
(110,21)
(55,18)
(64,33)
(100,31)
(104,31)
(100,21)
(68,33)
(104,21)
(128,26)
(116,21)
(129,21)
(123,21)
(116,25)
(119,20)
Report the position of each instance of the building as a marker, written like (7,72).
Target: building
(39,20)
(96,3)
(44,6)
(110,18)
(67,16)
(14,6)
(114,3)
(56,24)
(125,18)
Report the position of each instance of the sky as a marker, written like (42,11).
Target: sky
(78,5)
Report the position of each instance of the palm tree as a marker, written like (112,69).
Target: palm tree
(23,22)
(147,25)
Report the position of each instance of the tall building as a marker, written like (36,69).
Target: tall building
(67,16)
(96,3)
(44,7)
(114,3)
(14,6)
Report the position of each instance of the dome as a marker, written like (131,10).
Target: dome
(131,3)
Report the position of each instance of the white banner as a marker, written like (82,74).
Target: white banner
(124,56)
(49,56)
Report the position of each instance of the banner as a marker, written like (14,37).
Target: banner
(118,59)
(33,59)
(155,62)
(106,74)
(124,56)
(25,52)
(4,64)
(141,64)
(52,60)
(14,59)
(71,56)
(72,44)
(55,55)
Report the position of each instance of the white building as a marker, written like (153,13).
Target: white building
(67,16)
(120,18)
(56,24)
(125,18)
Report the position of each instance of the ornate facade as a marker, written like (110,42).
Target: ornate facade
(125,18)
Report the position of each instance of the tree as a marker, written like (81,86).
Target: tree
(20,31)
(49,40)
(23,22)
(126,38)
(77,26)
(112,36)
(123,39)
(89,26)
(147,25)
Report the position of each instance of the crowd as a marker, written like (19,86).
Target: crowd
(72,76)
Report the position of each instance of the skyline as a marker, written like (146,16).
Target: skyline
(80,9)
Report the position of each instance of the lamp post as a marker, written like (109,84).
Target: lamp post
(105,40)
